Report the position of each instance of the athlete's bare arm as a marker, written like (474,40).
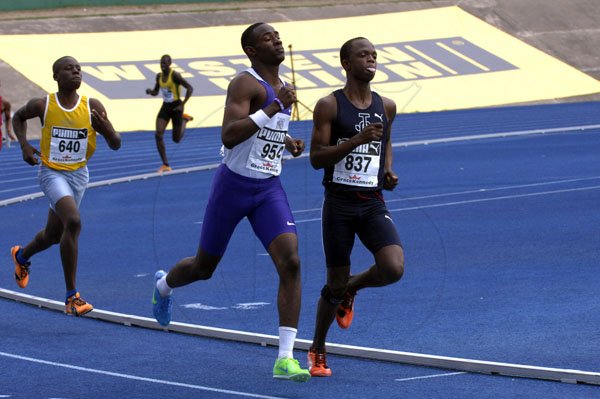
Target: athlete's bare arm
(245,95)
(154,91)
(102,125)
(390,179)
(34,108)
(7,111)
(178,79)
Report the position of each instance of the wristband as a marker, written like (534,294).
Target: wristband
(259,118)
(287,136)
(281,106)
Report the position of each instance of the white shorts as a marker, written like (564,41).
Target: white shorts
(57,184)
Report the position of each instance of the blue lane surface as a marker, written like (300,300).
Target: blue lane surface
(44,355)
(201,146)
(501,239)
(501,242)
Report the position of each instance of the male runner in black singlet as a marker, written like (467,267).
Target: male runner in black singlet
(351,141)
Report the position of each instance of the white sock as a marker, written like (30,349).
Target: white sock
(163,288)
(287,336)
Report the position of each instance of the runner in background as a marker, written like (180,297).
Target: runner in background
(168,83)
(6,134)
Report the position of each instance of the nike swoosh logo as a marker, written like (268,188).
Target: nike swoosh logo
(154,302)
(291,224)
(389,218)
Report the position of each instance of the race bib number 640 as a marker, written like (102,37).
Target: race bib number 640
(68,145)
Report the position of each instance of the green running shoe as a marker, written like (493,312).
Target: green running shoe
(288,368)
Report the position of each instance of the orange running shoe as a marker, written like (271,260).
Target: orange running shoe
(317,364)
(187,117)
(76,306)
(345,312)
(164,168)
(21,271)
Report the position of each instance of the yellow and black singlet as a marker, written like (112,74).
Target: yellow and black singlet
(168,89)
(68,138)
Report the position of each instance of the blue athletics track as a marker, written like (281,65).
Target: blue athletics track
(499,214)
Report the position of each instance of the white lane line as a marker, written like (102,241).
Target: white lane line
(487,190)
(484,190)
(429,376)
(473,201)
(457,193)
(129,179)
(417,359)
(504,197)
(495,135)
(136,378)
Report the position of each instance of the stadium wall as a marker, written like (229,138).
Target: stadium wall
(45,4)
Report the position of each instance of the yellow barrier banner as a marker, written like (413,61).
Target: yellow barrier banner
(428,60)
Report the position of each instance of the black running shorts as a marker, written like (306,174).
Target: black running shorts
(167,112)
(350,214)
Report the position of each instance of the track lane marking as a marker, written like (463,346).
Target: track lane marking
(429,376)
(135,377)
(503,197)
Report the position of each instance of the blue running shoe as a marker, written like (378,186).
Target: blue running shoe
(161,306)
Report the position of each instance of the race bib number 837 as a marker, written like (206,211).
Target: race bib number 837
(360,167)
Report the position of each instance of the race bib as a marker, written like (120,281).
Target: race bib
(167,94)
(359,168)
(68,145)
(269,144)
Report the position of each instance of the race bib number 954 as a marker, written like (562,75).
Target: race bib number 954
(268,146)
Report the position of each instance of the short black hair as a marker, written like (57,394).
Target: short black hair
(166,56)
(346,48)
(58,62)
(248,35)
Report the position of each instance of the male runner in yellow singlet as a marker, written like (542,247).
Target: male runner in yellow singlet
(70,122)
(168,83)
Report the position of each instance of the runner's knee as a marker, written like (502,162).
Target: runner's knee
(201,266)
(177,133)
(200,272)
(289,265)
(72,223)
(393,271)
